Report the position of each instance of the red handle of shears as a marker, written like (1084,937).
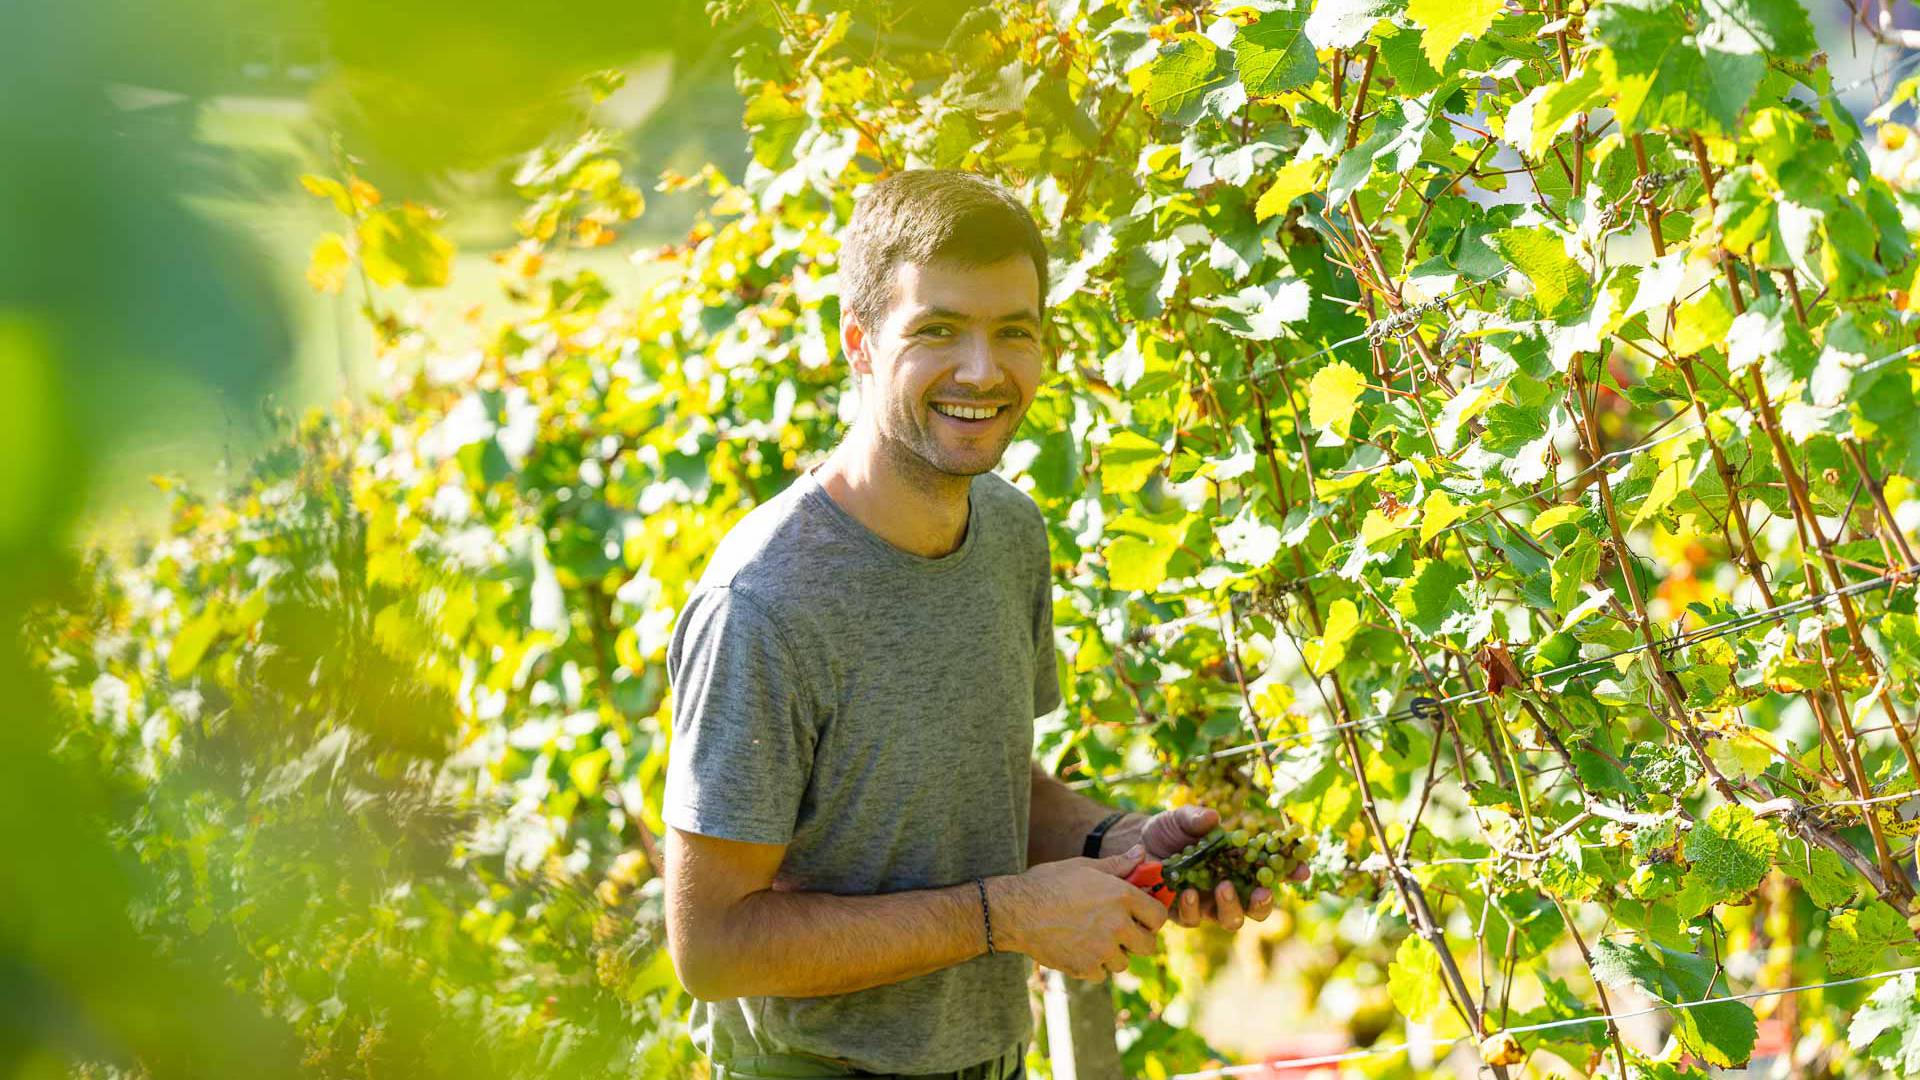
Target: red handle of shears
(1149,876)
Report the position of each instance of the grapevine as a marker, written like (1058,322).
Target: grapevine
(1480,463)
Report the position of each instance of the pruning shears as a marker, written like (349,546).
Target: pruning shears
(1151,874)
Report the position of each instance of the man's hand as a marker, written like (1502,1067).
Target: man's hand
(1166,833)
(1077,916)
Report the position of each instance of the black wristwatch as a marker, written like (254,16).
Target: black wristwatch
(1091,849)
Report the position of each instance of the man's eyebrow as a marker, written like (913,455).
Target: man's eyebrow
(1025,315)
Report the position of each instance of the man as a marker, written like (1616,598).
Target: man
(862,855)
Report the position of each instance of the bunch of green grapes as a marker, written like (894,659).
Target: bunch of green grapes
(1247,858)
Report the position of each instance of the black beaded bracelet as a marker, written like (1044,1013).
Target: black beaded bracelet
(986,914)
(1091,849)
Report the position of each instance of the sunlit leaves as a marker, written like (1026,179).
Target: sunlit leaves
(1559,283)
(1722,1033)
(1887,1027)
(1413,979)
(1292,180)
(1273,53)
(1662,71)
(1729,852)
(1446,23)
(1182,75)
(1333,395)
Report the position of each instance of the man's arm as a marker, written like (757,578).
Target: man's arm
(1061,818)
(732,933)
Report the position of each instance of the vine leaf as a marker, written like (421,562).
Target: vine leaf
(1414,978)
(1730,850)
(1343,619)
(1661,73)
(1273,53)
(1332,397)
(1855,939)
(1446,23)
(1759,26)
(1127,460)
(1887,1027)
(1560,285)
(1295,178)
(1342,24)
(1178,80)
(1722,1033)
(1426,598)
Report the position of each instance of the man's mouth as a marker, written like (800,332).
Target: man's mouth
(969,413)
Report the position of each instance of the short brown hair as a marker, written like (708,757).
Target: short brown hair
(923,216)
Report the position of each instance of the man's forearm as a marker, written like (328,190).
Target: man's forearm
(806,944)
(1060,819)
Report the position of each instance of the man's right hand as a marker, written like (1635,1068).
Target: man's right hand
(1077,916)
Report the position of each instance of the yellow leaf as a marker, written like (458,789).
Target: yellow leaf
(1437,515)
(1343,620)
(1553,517)
(327,269)
(1668,485)
(1379,525)
(1700,324)
(1332,396)
(1295,178)
(1446,23)
(330,189)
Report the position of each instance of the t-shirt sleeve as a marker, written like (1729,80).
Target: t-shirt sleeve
(1046,670)
(743,730)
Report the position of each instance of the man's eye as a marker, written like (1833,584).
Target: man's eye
(1019,331)
(936,331)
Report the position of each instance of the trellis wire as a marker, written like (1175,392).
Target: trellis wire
(1525,1029)
(1576,669)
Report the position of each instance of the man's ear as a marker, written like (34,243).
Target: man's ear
(855,343)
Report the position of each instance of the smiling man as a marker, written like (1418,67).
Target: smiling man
(861,855)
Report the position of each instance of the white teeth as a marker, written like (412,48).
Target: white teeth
(963,412)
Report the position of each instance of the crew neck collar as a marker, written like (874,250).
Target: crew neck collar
(813,491)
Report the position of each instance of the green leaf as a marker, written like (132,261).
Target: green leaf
(1573,569)
(1659,73)
(1127,460)
(1447,23)
(1332,396)
(1730,851)
(1887,1027)
(1342,24)
(1560,285)
(1700,324)
(1855,939)
(402,246)
(1720,1034)
(1181,76)
(1273,54)
(1778,27)
(1413,979)
(1829,881)
(1434,591)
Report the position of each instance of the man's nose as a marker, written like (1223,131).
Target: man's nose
(977,367)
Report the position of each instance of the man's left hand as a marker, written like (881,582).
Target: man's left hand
(1165,835)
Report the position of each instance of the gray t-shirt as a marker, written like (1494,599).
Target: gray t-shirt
(873,710)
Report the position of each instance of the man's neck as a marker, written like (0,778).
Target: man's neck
(918,510)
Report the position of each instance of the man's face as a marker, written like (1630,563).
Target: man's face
(954,363)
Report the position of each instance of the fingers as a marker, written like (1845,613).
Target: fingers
(1120,865)
(1116,963)
(1260,905)
(1299,872)
(1226,906)
(1146,911)
(1139,940)
(1187,909)
(1171,830)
